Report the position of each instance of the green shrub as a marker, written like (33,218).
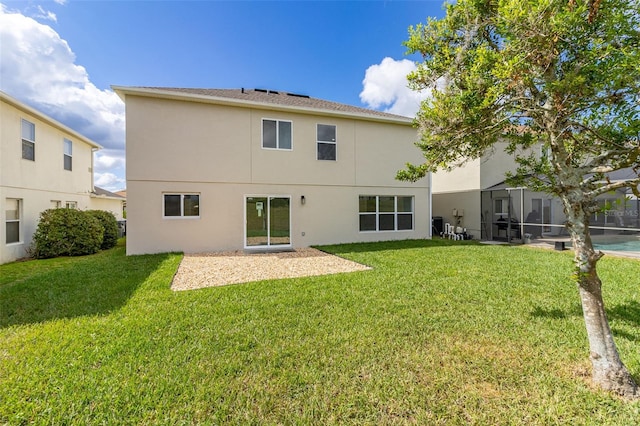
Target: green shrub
(67,232)
(110,224)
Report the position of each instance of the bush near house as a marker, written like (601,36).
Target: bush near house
(110,224)
(67,232)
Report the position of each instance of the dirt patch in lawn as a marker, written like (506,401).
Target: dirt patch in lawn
(216,269)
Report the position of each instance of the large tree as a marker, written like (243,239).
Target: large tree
(561,73)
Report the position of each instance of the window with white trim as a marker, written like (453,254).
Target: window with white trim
(71,205)
(276,134)
(385,213)
(67,154)
(181,205)
(13,213)
(326,142)
(28,140)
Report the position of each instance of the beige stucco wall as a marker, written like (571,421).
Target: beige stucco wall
(463,178)
(467,203)
(107,204)
(216,151)
(38,184)
(329,215)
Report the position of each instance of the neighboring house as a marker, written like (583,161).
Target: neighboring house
(113,202)
(224,169)
(476,197)
(43,164)
(123,194)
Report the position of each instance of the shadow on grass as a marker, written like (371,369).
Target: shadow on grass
(393,245)
(540,312)
(629,312)
(41,290)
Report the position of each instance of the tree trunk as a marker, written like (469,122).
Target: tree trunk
(609,373)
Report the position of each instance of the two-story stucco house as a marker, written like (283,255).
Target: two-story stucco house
(43,164)
(227,169)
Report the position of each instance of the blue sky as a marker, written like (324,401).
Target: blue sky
(61,57)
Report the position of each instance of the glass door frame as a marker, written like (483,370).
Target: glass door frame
(267,212)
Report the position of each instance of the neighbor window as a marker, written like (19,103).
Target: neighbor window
(181,205)
(28,140)
(276,134)
(12,218)
(55,204)
(386,213)
(68,150)
(500,207)
(71,205)
(326,139)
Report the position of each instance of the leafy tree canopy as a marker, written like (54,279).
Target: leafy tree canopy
(563,74)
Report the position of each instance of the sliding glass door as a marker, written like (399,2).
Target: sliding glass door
(268,221)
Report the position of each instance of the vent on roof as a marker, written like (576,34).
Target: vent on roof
(297,95)
(275,92)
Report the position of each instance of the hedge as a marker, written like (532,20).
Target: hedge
(67,232)
(110,225)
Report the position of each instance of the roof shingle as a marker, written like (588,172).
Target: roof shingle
(264,96)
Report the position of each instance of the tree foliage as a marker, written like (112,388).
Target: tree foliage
(560,74)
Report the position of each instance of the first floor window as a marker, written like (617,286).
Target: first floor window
(71,205)
(326,140)
(68,152)
(12,218)
(28,140)
(181,205)
(386,213)
(276,134)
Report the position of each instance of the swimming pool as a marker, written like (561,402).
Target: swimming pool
(630,245)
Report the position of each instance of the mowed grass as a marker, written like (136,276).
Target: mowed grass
(438,332)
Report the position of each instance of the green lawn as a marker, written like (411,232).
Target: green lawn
(437,333)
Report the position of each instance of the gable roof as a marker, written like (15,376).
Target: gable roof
(263,99)
(4,97)
(100,192)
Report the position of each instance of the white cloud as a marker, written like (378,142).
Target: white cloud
(108,160)
(46,15)
(109,181)
(38,67)
(385,86)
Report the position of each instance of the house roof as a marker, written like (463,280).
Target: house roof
(41,116)
(100,192)
(263,99)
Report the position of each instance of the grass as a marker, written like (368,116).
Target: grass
(438,333)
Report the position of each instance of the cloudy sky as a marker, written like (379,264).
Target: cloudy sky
(61,57)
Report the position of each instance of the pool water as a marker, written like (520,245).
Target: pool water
(633,245)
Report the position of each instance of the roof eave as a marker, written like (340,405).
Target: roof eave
(43,117)
(218,100)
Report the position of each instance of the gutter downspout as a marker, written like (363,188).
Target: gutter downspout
(93,151)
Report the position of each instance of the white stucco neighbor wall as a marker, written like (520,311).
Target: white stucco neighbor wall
(215,151)
(43,183)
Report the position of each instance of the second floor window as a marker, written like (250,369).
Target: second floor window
(68,151)
(28,140)
(276,134)
(326,139)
